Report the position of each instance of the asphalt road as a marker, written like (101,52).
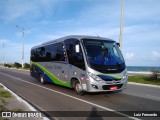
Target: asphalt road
(51,98)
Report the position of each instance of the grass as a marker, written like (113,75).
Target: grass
(25,68)
(3,101)
(1,86)
(5,94)
(17,110)
(3,109)
(144,80)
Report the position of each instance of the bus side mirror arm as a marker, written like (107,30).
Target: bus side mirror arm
(118,44)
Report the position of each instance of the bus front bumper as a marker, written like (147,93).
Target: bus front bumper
(104,87)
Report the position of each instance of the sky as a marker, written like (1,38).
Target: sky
(46,20)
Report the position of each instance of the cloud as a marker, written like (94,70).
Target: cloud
(26,9)
(101,11)
(5,41)
(129,56)
(139,10)
(49,37)
(141,36)
(155,56)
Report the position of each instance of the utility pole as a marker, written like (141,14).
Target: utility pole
(121,24)
(22,30)
(3,52)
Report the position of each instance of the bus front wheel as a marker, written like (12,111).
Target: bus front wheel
(78,88)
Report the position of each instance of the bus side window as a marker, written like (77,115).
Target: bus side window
(34,55)
(74,58)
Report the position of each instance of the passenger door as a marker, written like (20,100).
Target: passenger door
(75,58)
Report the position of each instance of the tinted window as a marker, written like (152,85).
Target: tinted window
(54,52)
(103,56)
(74,58)
(34,55)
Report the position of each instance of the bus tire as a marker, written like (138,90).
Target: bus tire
(42,79)
(78,88)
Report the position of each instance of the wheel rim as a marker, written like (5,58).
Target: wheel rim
(42,80)
(78,88)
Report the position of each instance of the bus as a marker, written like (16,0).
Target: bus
(84,63)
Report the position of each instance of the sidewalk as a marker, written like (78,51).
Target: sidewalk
(10,102)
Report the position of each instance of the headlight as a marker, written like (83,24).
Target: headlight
(95,77)
(125,75)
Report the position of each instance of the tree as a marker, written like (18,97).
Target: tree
(155,75)
(26,65)
(17,65)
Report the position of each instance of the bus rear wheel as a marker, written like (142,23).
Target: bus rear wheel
(78,88)
(42,79)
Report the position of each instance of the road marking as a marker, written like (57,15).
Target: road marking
(155,97)
(105,108)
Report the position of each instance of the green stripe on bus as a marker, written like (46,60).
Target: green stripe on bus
(114,76)
(51,76)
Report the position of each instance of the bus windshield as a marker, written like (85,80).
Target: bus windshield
(103,56)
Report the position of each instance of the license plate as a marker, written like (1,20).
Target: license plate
(113,87)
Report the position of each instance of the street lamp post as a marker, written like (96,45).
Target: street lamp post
(121,24)
(3,52)
(22,30)
(22,48)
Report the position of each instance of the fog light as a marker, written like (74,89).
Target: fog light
(95,86)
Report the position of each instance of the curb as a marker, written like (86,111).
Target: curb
(140,72)
(22,100)
(147,85)
(19,98)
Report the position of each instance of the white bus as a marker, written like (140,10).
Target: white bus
(85,63)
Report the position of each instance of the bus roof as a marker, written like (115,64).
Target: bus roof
(78,37)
